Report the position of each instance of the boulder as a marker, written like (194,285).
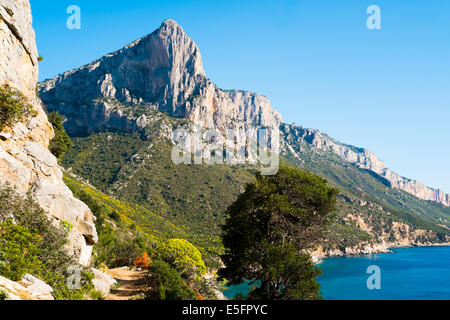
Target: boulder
(103,282)
(38,289)
(29,288)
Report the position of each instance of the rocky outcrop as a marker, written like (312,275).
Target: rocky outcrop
(29,288)
(102,282)
(25,162)
(19,58)
(362,158)
(163,70)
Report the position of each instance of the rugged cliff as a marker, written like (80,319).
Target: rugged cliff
(25,162)
(163,70)
(362,158)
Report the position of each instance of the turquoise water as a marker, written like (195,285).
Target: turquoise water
(409,273)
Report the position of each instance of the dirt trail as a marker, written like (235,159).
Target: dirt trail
(132,284)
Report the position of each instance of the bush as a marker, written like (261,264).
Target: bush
(3,295)
(61,143)
(167,283)
(13,106)
(142,262)
(18,250)
(118,248)
(183,256)
(34,245)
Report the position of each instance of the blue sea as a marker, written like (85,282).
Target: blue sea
(421,273)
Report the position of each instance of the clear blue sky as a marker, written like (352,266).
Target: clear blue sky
(387,90)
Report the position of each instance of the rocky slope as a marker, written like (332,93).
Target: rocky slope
(25,162)
(362,158)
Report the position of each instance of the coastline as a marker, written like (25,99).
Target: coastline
(318,255)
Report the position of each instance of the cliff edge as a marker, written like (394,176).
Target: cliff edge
(25,162)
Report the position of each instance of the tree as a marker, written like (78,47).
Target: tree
(269,227)
(61,143)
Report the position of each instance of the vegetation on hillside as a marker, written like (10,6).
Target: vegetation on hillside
(13,107)
(31,243)
(125,231)
(61,142)
(3,295)
(168,284)
(132,236)
(362,192)
(269,226)
(183,256)
(192,197)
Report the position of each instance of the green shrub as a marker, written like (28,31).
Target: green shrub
(13,106)
(167,283)
(61,142)
(183,256)
(3,295)
(117,248)
(118,244)
(18,250)
(32,244)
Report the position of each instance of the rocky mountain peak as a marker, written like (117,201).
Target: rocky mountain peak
(170,27)
(163,69)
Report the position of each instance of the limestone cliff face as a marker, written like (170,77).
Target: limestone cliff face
(163,69)
(364,159)
(25,162)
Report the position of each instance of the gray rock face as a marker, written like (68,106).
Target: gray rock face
(163,69)
(25,162)
(364,159)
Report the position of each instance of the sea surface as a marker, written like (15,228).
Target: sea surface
(421,273)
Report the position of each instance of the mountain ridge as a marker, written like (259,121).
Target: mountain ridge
(365,159)
(176,59)
(123,148)
(163,69)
